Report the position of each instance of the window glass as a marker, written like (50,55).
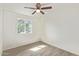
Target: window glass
(24,26)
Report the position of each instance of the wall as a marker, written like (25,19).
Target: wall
(59,28)
(1,31)
(11,38)
(62,27)
(40,28)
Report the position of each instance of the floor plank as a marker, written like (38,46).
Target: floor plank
(46,51)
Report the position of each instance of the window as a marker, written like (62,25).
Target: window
(24,26)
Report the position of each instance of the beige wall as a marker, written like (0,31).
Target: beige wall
(62,27)
(1,31)
(11,37)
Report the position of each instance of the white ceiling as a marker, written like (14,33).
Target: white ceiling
(19,7)
(58,8)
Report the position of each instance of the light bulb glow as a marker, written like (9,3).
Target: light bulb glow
(37,10)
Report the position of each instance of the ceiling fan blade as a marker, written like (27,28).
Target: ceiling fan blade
(30,7)
(50,7)
(33,12)
(42,12)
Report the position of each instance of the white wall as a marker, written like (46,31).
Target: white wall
(1,31)
(11,38)
(62,27)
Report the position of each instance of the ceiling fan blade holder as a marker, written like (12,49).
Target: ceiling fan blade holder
(42,12)
(34,12)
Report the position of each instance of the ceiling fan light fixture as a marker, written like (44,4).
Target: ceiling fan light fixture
(38,8)
(38,11)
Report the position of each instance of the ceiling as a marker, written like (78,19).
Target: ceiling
(58,9)
(19,7)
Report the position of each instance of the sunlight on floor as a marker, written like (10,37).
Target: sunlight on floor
(37,48)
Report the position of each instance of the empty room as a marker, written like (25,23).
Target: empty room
(39,29)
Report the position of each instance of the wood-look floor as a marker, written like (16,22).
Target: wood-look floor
(46,51)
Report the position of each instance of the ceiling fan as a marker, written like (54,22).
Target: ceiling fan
(38,8)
